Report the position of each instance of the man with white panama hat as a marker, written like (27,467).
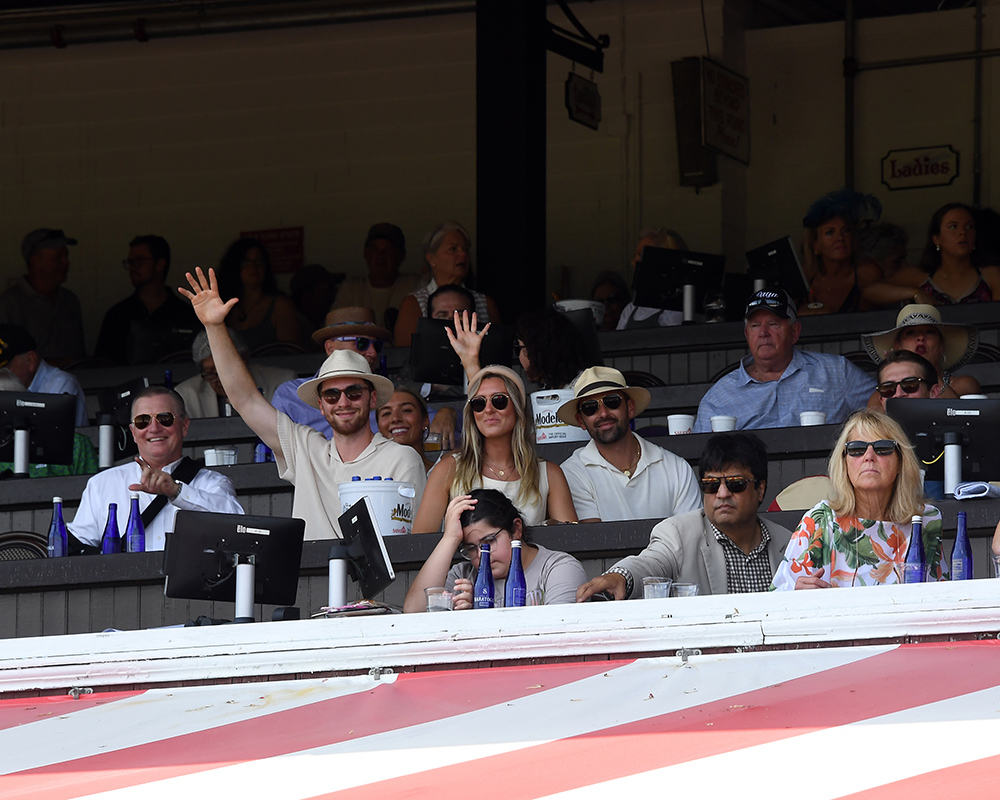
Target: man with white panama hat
(619,475)
(345,390)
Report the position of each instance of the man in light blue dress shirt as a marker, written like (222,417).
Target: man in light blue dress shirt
(776,382)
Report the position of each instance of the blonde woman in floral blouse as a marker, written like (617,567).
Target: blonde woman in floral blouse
(860,536)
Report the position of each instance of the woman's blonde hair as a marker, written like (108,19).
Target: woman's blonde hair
(469,470)
(907,496)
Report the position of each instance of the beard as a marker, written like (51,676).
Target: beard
(610,435)
(348,427)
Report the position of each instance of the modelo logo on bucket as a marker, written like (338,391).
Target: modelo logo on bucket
(548,427)
(392,502)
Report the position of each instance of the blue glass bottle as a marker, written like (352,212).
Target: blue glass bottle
(57,531)
(135,531)
(915,566)
(515,590)
(262,454)
(961,553)
(482,594)
(111,541)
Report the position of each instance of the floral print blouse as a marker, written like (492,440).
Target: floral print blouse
(856,552)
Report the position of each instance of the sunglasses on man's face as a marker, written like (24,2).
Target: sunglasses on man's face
(883,447)
(498,401)
(354,393)
(734,483)
(362,342)
(143,421)
(909,385)
(589,407)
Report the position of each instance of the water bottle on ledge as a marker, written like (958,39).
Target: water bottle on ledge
(961,553)
(915,566)
(135,531)
(515,590)
(57,531)
(482,594)
(111,540)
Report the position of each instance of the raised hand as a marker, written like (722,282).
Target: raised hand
(466,341)
(154,481)
(204,296)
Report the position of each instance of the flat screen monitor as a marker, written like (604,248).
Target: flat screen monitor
(199,562)
(369,563)
(50,420)
(433,360)
(118,403)
(661,274)
(976,421)
(778,263)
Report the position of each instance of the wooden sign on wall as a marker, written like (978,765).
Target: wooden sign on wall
(918,167)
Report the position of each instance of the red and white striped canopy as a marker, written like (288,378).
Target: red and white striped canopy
(883,721)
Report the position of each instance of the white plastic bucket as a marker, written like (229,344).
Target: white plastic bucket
(596,308)
(392,503)
(548,427)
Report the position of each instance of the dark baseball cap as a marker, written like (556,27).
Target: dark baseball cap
(14,341)
(43,238)
(389,232)
(777,301)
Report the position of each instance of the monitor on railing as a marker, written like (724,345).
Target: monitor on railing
(662,274)
(432,359)
(50,420)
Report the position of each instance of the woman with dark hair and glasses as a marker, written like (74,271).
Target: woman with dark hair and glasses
(498,452)
(486,515)
(263,314)
(860,536)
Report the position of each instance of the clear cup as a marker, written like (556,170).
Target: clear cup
(684,590)
(722,422)
(439,599)
(680,423)
(654,587)
(432,443)
(812,418)
(996,566)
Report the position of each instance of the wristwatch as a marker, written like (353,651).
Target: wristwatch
(179,486)
(629,582)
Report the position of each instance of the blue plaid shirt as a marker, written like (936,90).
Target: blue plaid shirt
(811,382)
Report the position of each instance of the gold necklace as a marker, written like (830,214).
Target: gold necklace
(635,463)
(501,474)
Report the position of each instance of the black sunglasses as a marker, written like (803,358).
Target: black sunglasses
(883,447)
(143,421)
(589,407)
(354,393)
(910,385)
(734,483)
(362,342)
(498,401)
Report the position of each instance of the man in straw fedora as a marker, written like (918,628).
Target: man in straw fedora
(945,344)
(619,475)
(345,390)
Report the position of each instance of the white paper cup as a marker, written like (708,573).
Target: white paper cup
(723,423)
(812,418)
(655,587)
(680,423)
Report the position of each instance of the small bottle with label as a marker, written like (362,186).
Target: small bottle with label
(111,540)
(515,590)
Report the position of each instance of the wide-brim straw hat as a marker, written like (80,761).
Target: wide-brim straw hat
(345,364)
(960,341)
(351,321)
(597,381)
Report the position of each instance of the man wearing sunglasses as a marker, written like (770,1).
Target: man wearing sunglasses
(619,475)
(776,381)
(724,547)
(905,374)
(345,391)
(159,425)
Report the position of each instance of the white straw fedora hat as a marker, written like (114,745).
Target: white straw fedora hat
(345,364)
(597,381)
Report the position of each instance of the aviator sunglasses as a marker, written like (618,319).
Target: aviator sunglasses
(331,396)
(882,447)
(498,401)
(734,483)
(362,342)
(589,407)
(143,421)
(909,385)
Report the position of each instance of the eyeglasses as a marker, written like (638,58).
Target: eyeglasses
(734,483)
(910,385)
(883,447)
(134,262)
(362,342)
(498,401)
(467,551)
(589,407)
(143,421)
(210,376)
(518,348)
(354,393)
